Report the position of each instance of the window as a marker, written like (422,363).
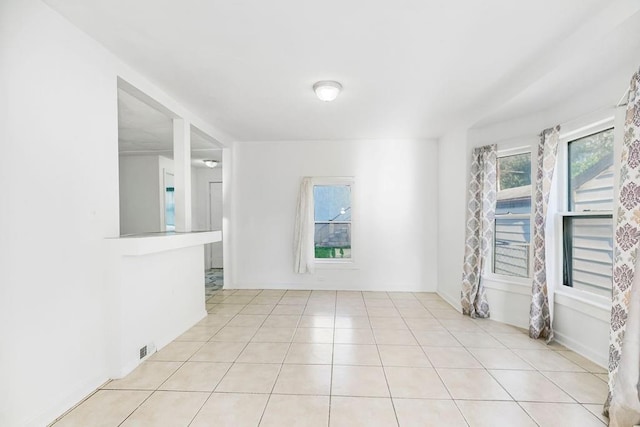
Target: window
(512,238)
(332,220)
(169,209)
(588,225)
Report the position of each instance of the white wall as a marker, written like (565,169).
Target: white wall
(60,165)
(152,299)
(59,161)
(139,194)
(142,193)
(452,197)
(394,213)
(200,179)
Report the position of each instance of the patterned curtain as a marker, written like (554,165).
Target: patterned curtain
(623,399)
(540,315)
(480,215)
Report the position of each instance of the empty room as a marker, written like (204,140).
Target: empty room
(286,213)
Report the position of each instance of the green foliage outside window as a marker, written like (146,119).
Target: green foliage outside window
(323,252)
(586,152)
(514,171)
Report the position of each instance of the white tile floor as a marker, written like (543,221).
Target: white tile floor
(324,358)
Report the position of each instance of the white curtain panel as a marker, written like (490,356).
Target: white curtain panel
(623,402)
(304,254)
(553,256)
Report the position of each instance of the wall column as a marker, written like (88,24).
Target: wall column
(182,173)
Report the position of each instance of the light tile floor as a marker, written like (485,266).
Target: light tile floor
(325,358)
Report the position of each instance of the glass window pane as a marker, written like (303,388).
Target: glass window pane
(591,172)
(589,253)
(514,171)
(514,184)
(170,209)
(332,240)
(332,202)
(512,243)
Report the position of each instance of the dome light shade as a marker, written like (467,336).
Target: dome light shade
(210,163)
(327,90)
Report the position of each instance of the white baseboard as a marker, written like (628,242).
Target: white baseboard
(453,301)
(62,405)
(329,286)
(581,349)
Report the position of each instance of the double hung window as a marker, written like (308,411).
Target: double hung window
(332,220)
(588,223)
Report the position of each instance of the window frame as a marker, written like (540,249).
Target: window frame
(489,274)
(563,194)
(332,263)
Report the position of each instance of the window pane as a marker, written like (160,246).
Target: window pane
(512,231)
(589,253)
(512,242)
(170,209)
(332,240)
(514,184)
(514,171)
(332,202)
(591,172)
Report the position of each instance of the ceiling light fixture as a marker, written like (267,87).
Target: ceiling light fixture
(210,163)
(327,90)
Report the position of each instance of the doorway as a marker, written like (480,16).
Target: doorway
(214,276)
(214,256)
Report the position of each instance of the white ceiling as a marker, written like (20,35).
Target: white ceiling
(410,68)
(144,130)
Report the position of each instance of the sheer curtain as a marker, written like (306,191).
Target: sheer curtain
(623,401)
(303,232)
(540,313)
(481,210)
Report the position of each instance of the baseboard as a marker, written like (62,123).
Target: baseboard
(571,344)
(58,409)
(452,301)
(328,286)
(159,343)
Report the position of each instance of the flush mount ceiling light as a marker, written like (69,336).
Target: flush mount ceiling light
(210,163)
(327,90)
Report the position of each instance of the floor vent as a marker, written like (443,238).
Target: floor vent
(143,352)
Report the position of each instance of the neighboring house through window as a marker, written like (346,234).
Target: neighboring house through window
(332,219)
(512,227)
(588,223)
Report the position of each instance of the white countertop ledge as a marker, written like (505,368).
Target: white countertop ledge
(149,243)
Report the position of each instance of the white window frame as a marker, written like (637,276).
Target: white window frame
(605,122)
(488,273)
(338,263)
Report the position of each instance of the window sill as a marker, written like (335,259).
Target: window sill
(335,264)
(586,213)
(513,280)
(583,301)
(516,285)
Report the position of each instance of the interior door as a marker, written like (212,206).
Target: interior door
(215,218)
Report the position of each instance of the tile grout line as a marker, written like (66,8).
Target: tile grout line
(384,372)
(333,352)
(464,417)
(283,359)
(221,378)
